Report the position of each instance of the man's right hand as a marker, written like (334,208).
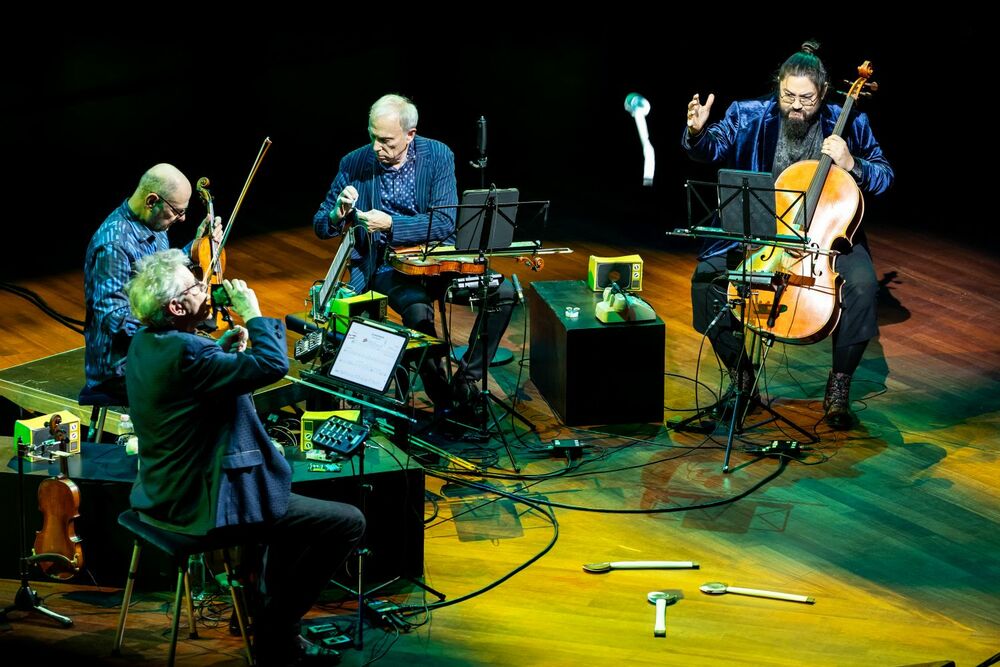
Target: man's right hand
(345,202)
(697,114)
(243,298)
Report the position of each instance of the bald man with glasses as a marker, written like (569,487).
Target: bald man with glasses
(136,229)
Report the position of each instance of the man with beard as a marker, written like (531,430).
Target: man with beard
(768,135)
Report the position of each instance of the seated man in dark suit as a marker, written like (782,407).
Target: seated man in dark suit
(205,461)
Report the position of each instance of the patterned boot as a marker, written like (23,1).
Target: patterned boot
(837,402)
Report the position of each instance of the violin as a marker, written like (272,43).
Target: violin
(800,300)
(416,265)
(209,253)
(415,261)
(57,547)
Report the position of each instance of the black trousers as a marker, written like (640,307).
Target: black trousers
(415,299)
(858,318)
(302,550)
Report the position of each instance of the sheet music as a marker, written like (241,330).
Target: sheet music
(368,356)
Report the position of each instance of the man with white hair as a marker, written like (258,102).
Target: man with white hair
(208,467)
(383,193)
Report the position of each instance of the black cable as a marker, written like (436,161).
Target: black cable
(40,303)
(547,513)
(782,465)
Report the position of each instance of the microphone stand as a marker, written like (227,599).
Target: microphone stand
(503,355)
(480,164)
(740,406)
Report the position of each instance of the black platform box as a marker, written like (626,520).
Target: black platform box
(591,372)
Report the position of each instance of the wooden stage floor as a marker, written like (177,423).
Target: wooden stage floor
(892,527)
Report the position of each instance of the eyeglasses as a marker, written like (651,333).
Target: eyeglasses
(199,286)
(178,212)
(804,100)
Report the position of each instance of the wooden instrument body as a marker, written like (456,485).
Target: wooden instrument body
(809,307)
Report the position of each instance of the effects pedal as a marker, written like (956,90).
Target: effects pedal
(787,448)
(309,345)
(340,435)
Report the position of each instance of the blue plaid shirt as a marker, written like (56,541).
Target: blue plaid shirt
(120,241)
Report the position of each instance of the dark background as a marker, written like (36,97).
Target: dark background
(91,105)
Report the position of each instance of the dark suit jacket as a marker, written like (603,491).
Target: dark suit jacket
(435,186)
(205,460)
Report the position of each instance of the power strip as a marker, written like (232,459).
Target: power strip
(571,449)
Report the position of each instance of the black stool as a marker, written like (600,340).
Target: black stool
(179,548)
(100,402)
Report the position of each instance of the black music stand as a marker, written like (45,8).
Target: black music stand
(486,225)
(26,598)
(745,217)
(364,368)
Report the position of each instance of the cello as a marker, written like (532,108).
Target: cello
(57,547)
(794,294)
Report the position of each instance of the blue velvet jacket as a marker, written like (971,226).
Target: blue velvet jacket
(747,137)
(435,186)
(205,460)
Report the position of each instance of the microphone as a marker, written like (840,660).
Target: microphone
(481,136)
(517,287)
(638,107)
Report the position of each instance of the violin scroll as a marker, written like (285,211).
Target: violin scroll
(533,262)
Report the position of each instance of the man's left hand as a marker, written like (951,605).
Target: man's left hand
(234,340)
(216,229)
(836,148)
(375,220)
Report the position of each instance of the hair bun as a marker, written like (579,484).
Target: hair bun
(811,46)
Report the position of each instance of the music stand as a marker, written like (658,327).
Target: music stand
(746,215)
(486,224)
(468,232)
(364,368)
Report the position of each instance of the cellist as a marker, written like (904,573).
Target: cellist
(136,228)
(794,123)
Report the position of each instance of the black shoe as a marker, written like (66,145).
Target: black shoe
(837,402)
(749,393)
(467,403)
(234,626)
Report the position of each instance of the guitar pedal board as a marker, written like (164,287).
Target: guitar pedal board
(340,435)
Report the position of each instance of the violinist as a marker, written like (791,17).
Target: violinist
(137,228)
(207,466)
(382,194)
(794,123)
